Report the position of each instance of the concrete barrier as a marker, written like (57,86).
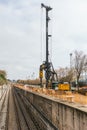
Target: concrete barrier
(56,114)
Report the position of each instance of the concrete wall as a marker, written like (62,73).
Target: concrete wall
(56,114)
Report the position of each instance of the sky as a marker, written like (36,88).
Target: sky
(22,34)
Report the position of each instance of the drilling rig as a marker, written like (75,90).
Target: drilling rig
(47,66)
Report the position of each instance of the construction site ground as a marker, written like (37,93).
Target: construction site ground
(65,96)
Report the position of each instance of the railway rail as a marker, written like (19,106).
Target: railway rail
(4,108)
(23,110)
(25,121)
(36,119)
(17,113)
(18,117)
(13,122)
(29,116)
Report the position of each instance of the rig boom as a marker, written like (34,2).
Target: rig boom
(47,66)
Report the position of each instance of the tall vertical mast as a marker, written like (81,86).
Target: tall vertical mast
(48,8)
(50,74)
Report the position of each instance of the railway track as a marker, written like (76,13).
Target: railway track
(17,113)
(25,120)
(18,118)
(13,122)
(14,113)
(35,119)
(4,109)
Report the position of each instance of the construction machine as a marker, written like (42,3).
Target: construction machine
(47,66)
(65,86)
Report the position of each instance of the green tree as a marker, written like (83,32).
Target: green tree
(3,75)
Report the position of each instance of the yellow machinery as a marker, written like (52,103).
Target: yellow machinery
(64,86)
(50,75)
(41,71)
(53,80)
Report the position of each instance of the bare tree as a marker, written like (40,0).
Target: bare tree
(80,60)
(65,74)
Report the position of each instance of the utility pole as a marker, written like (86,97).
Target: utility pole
(70,60)
(47,63)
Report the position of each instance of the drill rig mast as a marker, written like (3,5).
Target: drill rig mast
(47,66)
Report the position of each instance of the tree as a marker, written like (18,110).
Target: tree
(80,59)
(65,74)
(3,75)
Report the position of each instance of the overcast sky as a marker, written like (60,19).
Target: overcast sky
(21,30)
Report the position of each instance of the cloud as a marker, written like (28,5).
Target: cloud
(20,33)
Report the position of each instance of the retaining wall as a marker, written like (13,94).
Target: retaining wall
(56,114)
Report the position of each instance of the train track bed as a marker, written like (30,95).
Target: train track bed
(25,117)
(12,123)
(17,113)
(34,119)
(4,108)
